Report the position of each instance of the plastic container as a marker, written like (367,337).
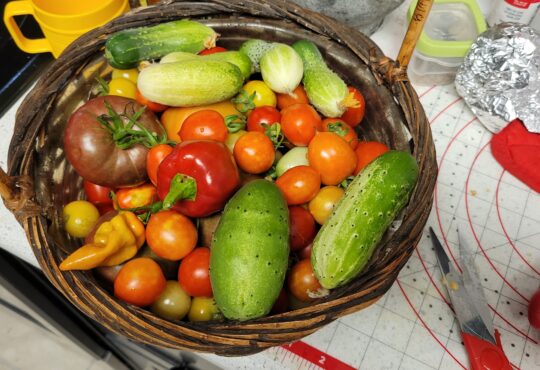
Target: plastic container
(450,29)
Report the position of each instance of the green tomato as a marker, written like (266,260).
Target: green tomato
(173,303)
(297,156)
(80,217)
(231,139)
(203,309)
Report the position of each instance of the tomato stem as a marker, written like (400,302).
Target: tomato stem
(182,187)
(245,102)
(235,122)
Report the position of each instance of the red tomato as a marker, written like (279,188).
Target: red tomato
(97,194)
(135,197)
(215,49)
(302,228)
(262,117)
(534,310)
(282,303)
(171,235)
(299,184)
(154,107)
(254,152)
(297,96)
(354,115)
(332,157)
(299,123)
(155,156)
(205,124)
(338,126)
(366,152)
(194,273)
(302,282)
(139,282)
(305,252)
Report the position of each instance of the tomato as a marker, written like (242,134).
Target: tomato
(353,116)
(122,87)
(263,94)
(171,235)
(302,282)
(254,152)
(281,304)
(203,309)
(534,310)
(299,123)
(323,204)
(153,106)
(302,228)
(366,152)
(173,303)
(231,139)
(215,49)
(155,156)
(80,217)
(138,196)
(297,96)
(299,184)
(332,157)
(129,74)
(97,194)
(91,148)
(194,273)
(139,282)
(262,117)
(205,124)
(338,126)
(305,252)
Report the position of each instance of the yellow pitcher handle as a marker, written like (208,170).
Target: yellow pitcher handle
(23,7)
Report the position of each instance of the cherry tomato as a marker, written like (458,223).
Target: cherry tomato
(299,184)
(204,125)
(302,282)
(323,204)
(129,74)
(122,87)
(262,117)
(534,310)
(80,217)
(173,303)
(302,228)
(203,309)
(97,194)
(332,157)
(366,152)
(154,158)
(297,96)
(254,152)
(153,106)
(305,252)
(299,123)
(214,50)
(194,273)
(138,196)
(171,235)
(139,282)
(354,115)
(263,94)
(338,126)
(282,303)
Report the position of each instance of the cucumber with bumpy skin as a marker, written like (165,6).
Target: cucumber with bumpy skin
(348,238)
(234,57)
(255,49)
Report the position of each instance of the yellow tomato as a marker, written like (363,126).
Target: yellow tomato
(203,309)
(80,217)
(122,87)
(263,94)
(324,202)
(128,74)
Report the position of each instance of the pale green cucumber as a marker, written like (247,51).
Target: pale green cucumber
(235,57)
(255,49)
(347,240)
(190,83)
(250,251)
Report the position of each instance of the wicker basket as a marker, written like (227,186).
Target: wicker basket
(40,180)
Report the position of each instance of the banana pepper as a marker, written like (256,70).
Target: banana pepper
(114,242)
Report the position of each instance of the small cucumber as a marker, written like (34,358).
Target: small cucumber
(250,251)
(190,83)
(126,48)
(235,57)
(348,238)
(255,49)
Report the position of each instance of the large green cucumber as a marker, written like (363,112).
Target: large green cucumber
(190,83)
(250,251)
(235,57)
(126,48)
(348,238)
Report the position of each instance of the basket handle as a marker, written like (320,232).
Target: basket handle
(17,193)
(416,25)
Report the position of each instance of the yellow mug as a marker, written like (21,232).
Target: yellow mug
(62,21)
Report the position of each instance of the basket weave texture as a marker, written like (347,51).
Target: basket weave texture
(42,180)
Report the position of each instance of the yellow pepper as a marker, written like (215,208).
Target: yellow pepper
(114,242)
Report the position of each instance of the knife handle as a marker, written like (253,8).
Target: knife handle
(484,355)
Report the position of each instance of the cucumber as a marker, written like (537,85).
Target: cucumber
(235,57)
(190,83)
(126,48)
(250,251)
(348,238)
(255,49)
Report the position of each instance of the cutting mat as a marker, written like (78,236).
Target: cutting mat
(412,326)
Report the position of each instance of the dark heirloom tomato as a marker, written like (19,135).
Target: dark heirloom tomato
(94,154)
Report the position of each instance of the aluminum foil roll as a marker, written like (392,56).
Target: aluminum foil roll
(499,78)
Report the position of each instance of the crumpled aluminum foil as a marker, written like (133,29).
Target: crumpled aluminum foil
(499,78)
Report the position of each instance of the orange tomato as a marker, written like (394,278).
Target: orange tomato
(138,196)
(338,126)
(366,152)
(299,123)
(354,115)
(302,282)
(297,96)
(299,184)
(332,157)
(154,107)
(154,158)
(171,235)
(254,152)
(206,124)
(139,282)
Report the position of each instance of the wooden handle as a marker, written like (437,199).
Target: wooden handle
(413,32)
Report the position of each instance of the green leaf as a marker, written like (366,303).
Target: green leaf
(183,187)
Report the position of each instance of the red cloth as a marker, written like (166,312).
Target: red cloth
(518,151)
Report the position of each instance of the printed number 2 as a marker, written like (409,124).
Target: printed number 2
(322,360)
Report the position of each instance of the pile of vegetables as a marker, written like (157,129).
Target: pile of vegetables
(226,184)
